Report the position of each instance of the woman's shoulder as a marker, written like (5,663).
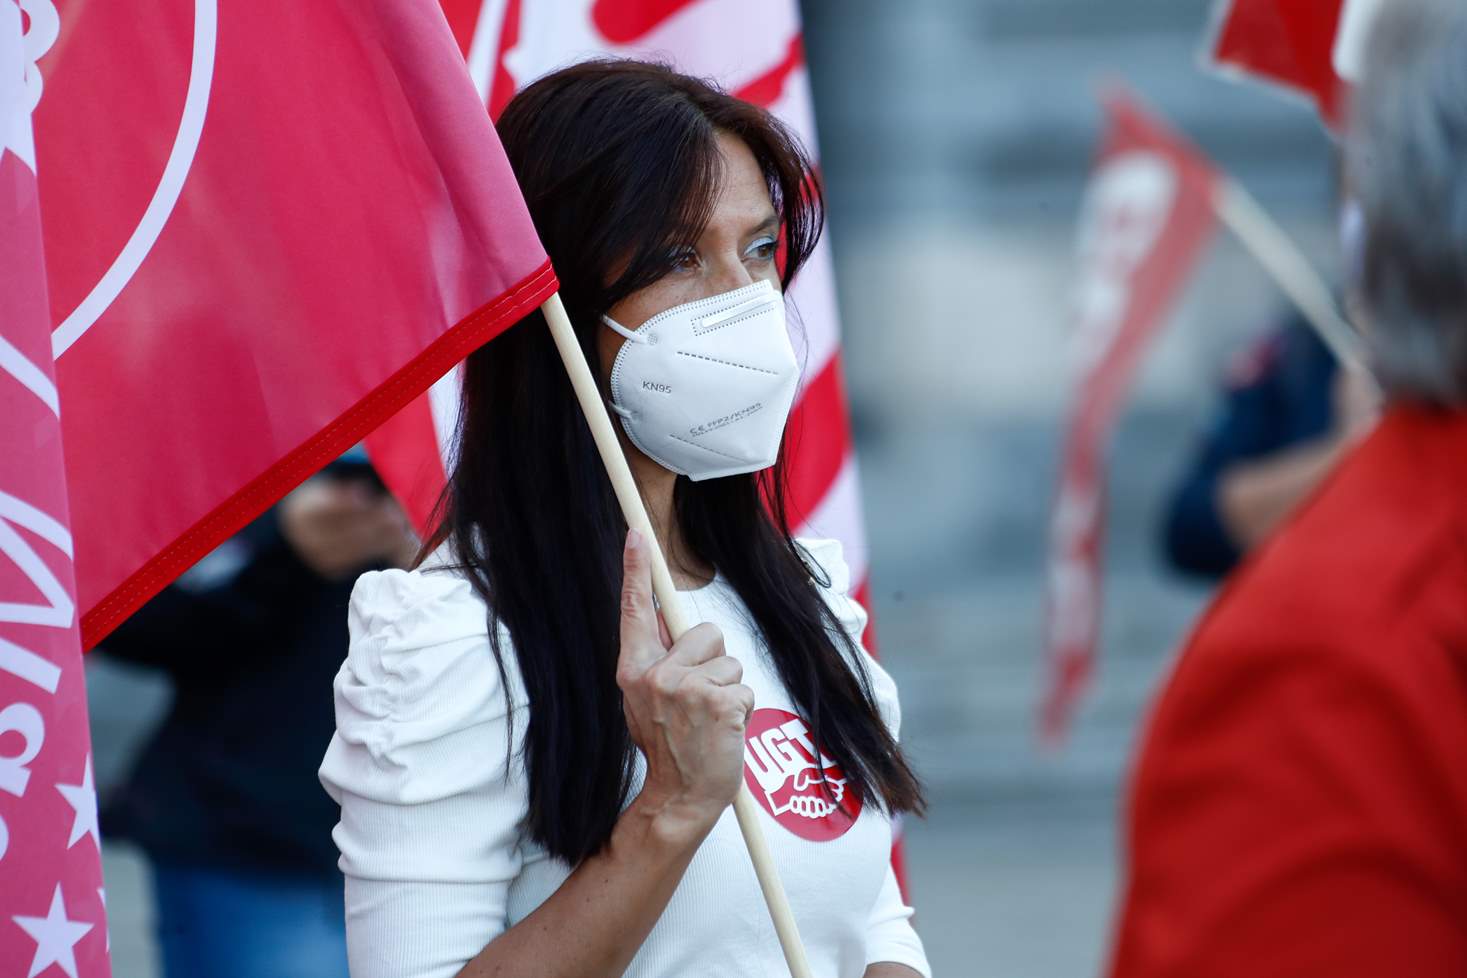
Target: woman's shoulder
(833,576)
(419,666)
(829,557)
(827,561)
(394,610)
(423,719)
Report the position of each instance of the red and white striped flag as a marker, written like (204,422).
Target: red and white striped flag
(52,913)
(1312,47)
(268,226)
(752,47)
(1148,211)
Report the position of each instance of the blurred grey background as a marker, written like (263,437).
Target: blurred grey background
(956,136)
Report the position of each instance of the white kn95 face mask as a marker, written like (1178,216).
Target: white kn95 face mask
(705,388)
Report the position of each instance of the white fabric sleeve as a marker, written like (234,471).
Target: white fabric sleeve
(829,556)
(431,809)
(890,935)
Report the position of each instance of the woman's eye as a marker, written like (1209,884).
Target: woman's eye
(764,249)
(684,258)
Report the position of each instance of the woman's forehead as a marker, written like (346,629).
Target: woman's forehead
(743,205)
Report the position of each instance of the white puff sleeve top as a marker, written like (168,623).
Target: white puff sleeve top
(434,801)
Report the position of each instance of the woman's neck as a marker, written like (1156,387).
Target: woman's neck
(656,485)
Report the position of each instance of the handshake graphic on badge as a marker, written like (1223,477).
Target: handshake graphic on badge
(806,797)
(793,779)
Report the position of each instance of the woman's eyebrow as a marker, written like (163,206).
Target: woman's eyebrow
(770,223)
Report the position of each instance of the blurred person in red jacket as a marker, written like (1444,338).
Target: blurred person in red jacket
(1300,804)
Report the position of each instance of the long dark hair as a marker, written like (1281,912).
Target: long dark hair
(619,165)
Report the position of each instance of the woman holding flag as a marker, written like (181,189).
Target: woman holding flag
(534,778)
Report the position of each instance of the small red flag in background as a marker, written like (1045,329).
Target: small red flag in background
(1147,213)
(267,226)
(1312,47)
(52,914)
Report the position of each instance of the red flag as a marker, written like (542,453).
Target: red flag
(1311,47)
(1147,213)
(268,226)
(51,905)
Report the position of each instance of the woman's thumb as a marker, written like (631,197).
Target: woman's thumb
(638,617)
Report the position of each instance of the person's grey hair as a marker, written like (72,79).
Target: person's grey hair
(1407,160)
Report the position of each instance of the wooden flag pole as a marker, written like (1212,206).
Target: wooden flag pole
(1283,260)
(607,444)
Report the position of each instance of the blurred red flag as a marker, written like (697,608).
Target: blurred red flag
(267,226)
(1147,214)
(52,915)
(1309,46)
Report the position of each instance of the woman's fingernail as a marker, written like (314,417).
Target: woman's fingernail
(634,538)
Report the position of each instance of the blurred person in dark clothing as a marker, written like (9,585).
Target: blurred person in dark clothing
(1299,809)
(1290,413)
(224,798)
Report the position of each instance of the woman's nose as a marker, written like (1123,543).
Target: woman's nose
(730,274)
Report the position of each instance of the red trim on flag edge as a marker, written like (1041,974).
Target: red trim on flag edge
(380,404)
